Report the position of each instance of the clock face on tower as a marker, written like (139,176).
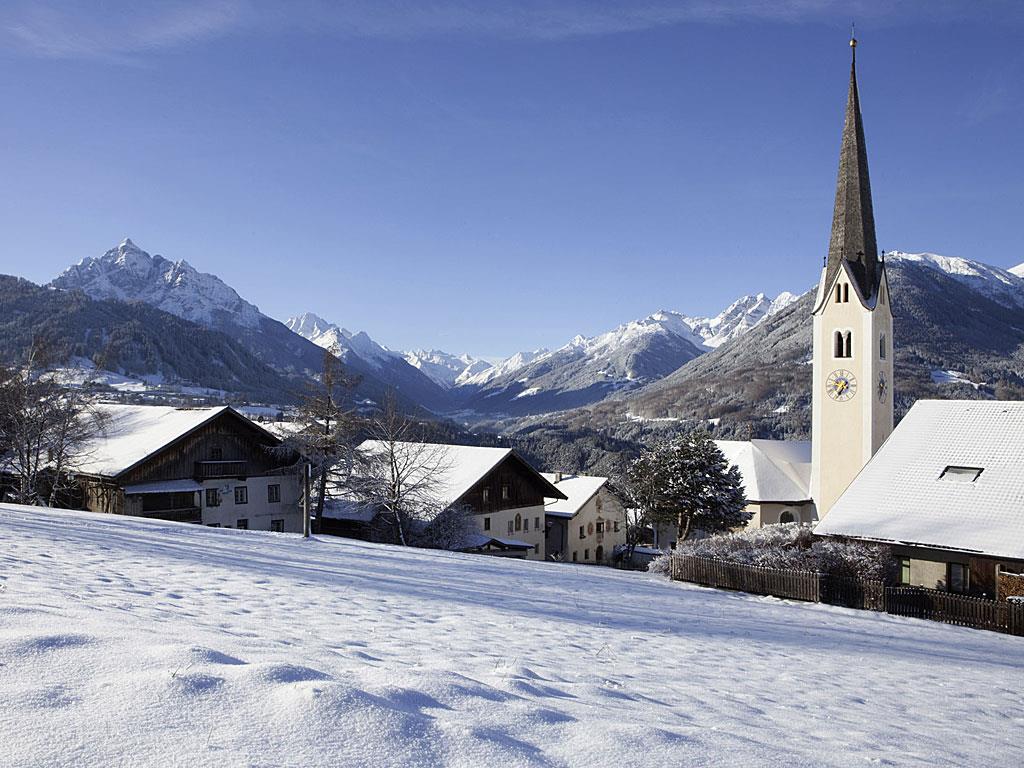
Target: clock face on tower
(841,385)
(883,386)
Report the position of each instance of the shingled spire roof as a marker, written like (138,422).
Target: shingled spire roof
(853,221)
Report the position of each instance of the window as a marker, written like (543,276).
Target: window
(277,526)
(216,454)
(615,526)
(212,497)
(843,344)
(536,549)
(787,517)
(881,347)
(575,557)
(519,522)
(273,493)
(242,523)
(583,532)
(487,523)
(504,492)
(510,526)
(842,293)
(586,554)
(961,474)
(958,577)
(839,293)
(904,570)
(536,523)
(600,527)
(241,494)
(846,293)
(526,523)
(486,493)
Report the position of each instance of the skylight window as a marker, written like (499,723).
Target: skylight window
(960,474)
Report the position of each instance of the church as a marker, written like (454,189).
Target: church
(852,364)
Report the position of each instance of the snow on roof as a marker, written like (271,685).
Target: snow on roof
(480,540)
(463,466)
(772,470)
(133,432)
(579,488)
(164,486)
(905,495)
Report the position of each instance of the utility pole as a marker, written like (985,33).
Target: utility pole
(305,499)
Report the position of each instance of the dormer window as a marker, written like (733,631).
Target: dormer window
(954,474)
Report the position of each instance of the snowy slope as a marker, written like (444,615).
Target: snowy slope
(127,273)
(144,643)
(1018,270)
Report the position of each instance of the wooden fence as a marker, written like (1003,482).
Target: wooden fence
(916,602)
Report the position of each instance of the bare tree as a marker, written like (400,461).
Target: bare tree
(637,493)
(327,433)
(400,477)
(44,429)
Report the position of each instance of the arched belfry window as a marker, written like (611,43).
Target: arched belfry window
(839,293)
(843,344)
(846,293)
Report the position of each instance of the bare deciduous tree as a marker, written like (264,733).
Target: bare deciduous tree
(44,429)
(327,433)
(400,477)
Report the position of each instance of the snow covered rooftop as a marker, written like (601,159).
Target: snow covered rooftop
(950,476)
(773,470)
(463,466)
(134,432)
(579,488)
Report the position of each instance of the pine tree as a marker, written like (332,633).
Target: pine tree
(687,482)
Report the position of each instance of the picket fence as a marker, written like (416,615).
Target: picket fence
(810,586)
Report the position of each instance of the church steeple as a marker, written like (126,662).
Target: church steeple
(853,220)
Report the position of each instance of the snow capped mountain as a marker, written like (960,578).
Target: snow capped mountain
(1004,286)
(446,369)
(632,333)
(128,273)
(507,366)
(340,340)
(738,318)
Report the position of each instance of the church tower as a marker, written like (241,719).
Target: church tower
(853,352)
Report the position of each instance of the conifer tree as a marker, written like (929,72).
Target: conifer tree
(687,482)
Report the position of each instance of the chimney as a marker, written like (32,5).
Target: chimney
(558,477)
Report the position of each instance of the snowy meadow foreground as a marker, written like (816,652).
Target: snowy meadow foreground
(135,642)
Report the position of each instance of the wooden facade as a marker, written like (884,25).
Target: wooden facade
(220,454)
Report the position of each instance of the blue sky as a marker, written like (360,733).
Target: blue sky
(489,177)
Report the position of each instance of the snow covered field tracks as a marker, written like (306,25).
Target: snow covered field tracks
(131,642)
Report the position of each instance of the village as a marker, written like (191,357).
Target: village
(911,523)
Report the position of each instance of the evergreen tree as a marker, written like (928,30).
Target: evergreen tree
(687,482)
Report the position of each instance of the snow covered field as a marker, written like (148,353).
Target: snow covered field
(142,643)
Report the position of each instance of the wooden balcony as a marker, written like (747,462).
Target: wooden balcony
(207,470)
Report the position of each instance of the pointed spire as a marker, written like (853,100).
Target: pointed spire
(853,220)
